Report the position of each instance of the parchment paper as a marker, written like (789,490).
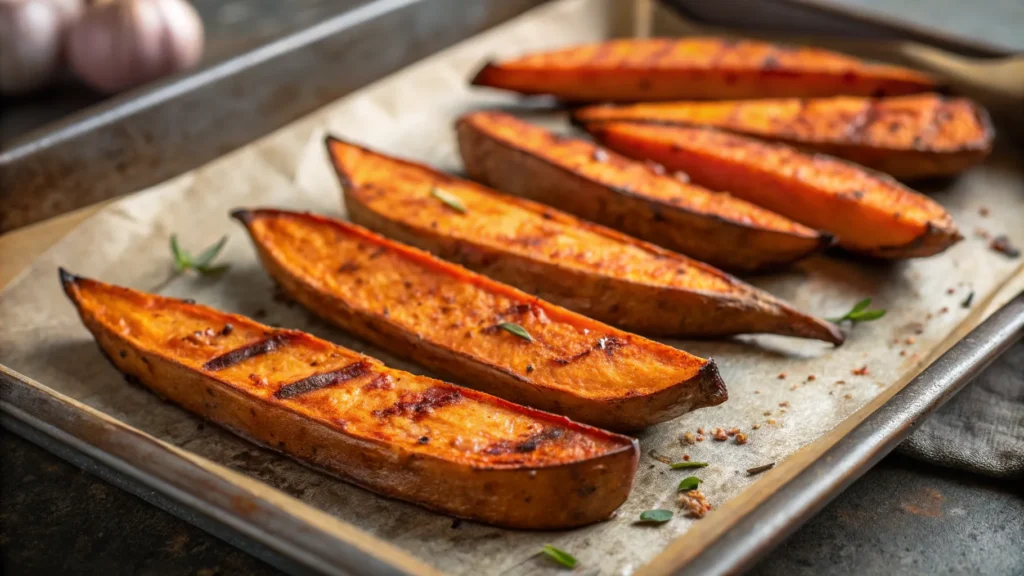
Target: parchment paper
(410,114)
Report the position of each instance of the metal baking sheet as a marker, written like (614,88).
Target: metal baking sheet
(234,512)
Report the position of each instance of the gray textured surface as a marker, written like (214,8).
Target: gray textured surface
(982,428)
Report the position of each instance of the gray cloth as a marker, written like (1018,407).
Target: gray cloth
(981,429)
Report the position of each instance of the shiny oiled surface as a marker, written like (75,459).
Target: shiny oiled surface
(701,68)
(611,169)
(460,310)
(922,122)
(403,191)
(865,209)
(379,405)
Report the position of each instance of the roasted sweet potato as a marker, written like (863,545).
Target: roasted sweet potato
(916,136)
(444,447)
(869,212)
(639,199)
(635,70)
(448,319)
(585,267)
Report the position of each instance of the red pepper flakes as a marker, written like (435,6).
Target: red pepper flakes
(903,352)
(756,426)
(951,291)
(784,404)
(811,377)
(782,375)
(862,371)
(983,211)
(686,457)
(910,340)
(944,309)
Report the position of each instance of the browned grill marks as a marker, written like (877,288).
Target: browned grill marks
(318,381)
(416,405)
(379,382)
(238,355)
(608,344)
(525,446)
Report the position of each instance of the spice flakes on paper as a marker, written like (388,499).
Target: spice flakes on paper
(1002,245)
(695,503)
(862,371)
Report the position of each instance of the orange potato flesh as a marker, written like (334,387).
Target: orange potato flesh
(635,70)
(916,136)
(447,448)
(638,199)
(585,267)
(445,317)
(869,213)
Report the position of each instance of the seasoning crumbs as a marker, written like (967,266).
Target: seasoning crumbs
(862,371)
(741,438)
(695,503)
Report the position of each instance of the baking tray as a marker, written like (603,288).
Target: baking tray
(167,476)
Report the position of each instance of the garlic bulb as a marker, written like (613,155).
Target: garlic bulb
(121,44)
(30,41)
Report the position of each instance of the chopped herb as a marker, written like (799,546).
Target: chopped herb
(560,556)
(860,313)
(203,263)
(689,483)
(451,200)
(759,469)
(516,329)
(658,516)
(967,301)
(681,465)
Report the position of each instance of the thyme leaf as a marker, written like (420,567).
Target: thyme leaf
(560,556)
(183,259)
(860,313)
(689,483)
(657,516)
(451,200)
(684,465)
(516,329)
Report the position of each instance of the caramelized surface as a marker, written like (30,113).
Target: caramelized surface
(358,397)
(867,211)
(611,169)
(585,267)
(923,124)
(697,68)
(403,191)
(452,307)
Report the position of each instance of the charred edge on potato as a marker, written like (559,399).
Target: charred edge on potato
(318,381)
(418,404)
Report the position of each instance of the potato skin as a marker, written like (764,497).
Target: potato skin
(644,70)
(869,213)
(538,489)
(580,178)
(431,312)
(584,267)
(907,137)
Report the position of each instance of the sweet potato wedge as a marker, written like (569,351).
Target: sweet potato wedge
(448,319)
(869,212)
(635,70)
(447,448)
(636,198)
(585,267)
(916,136)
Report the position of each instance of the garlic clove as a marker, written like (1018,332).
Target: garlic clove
(30,42)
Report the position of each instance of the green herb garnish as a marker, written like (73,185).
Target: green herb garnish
(860,313)
(560,556)
(683,465)
(451,200)
(659,516)
(516,329)
(967,301)
(689,483)
(203,263)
